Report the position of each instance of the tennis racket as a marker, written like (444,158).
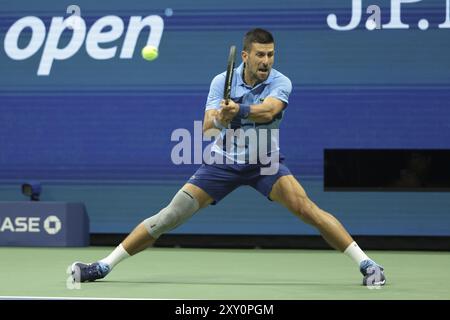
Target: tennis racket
(229,74)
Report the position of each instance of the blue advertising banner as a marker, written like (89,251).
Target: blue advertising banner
(81,110)
(51,224)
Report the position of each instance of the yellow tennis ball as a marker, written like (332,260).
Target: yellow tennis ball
(149,53)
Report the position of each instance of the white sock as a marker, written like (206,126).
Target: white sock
(355,253)
(116,256)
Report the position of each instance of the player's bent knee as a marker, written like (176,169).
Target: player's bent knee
(181,208)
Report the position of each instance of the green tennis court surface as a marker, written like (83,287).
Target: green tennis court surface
(171,273)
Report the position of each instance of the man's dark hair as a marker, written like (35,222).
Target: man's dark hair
(257,35)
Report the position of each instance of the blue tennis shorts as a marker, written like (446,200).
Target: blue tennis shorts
(218,180)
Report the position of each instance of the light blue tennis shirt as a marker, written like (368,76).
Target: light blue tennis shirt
(243,148)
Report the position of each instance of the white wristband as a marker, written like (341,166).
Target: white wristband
(217,124)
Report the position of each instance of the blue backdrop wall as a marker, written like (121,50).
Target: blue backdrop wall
(99,131)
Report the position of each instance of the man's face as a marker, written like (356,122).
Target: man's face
(259,61)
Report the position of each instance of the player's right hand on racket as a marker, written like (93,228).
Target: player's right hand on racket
(228,111)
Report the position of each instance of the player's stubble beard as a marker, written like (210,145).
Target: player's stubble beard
(254,75)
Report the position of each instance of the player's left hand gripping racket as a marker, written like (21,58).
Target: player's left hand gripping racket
(229,74)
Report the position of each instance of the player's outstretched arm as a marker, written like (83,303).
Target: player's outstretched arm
(259,113)
(266,111)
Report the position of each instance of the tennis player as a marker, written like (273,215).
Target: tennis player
(259,97)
